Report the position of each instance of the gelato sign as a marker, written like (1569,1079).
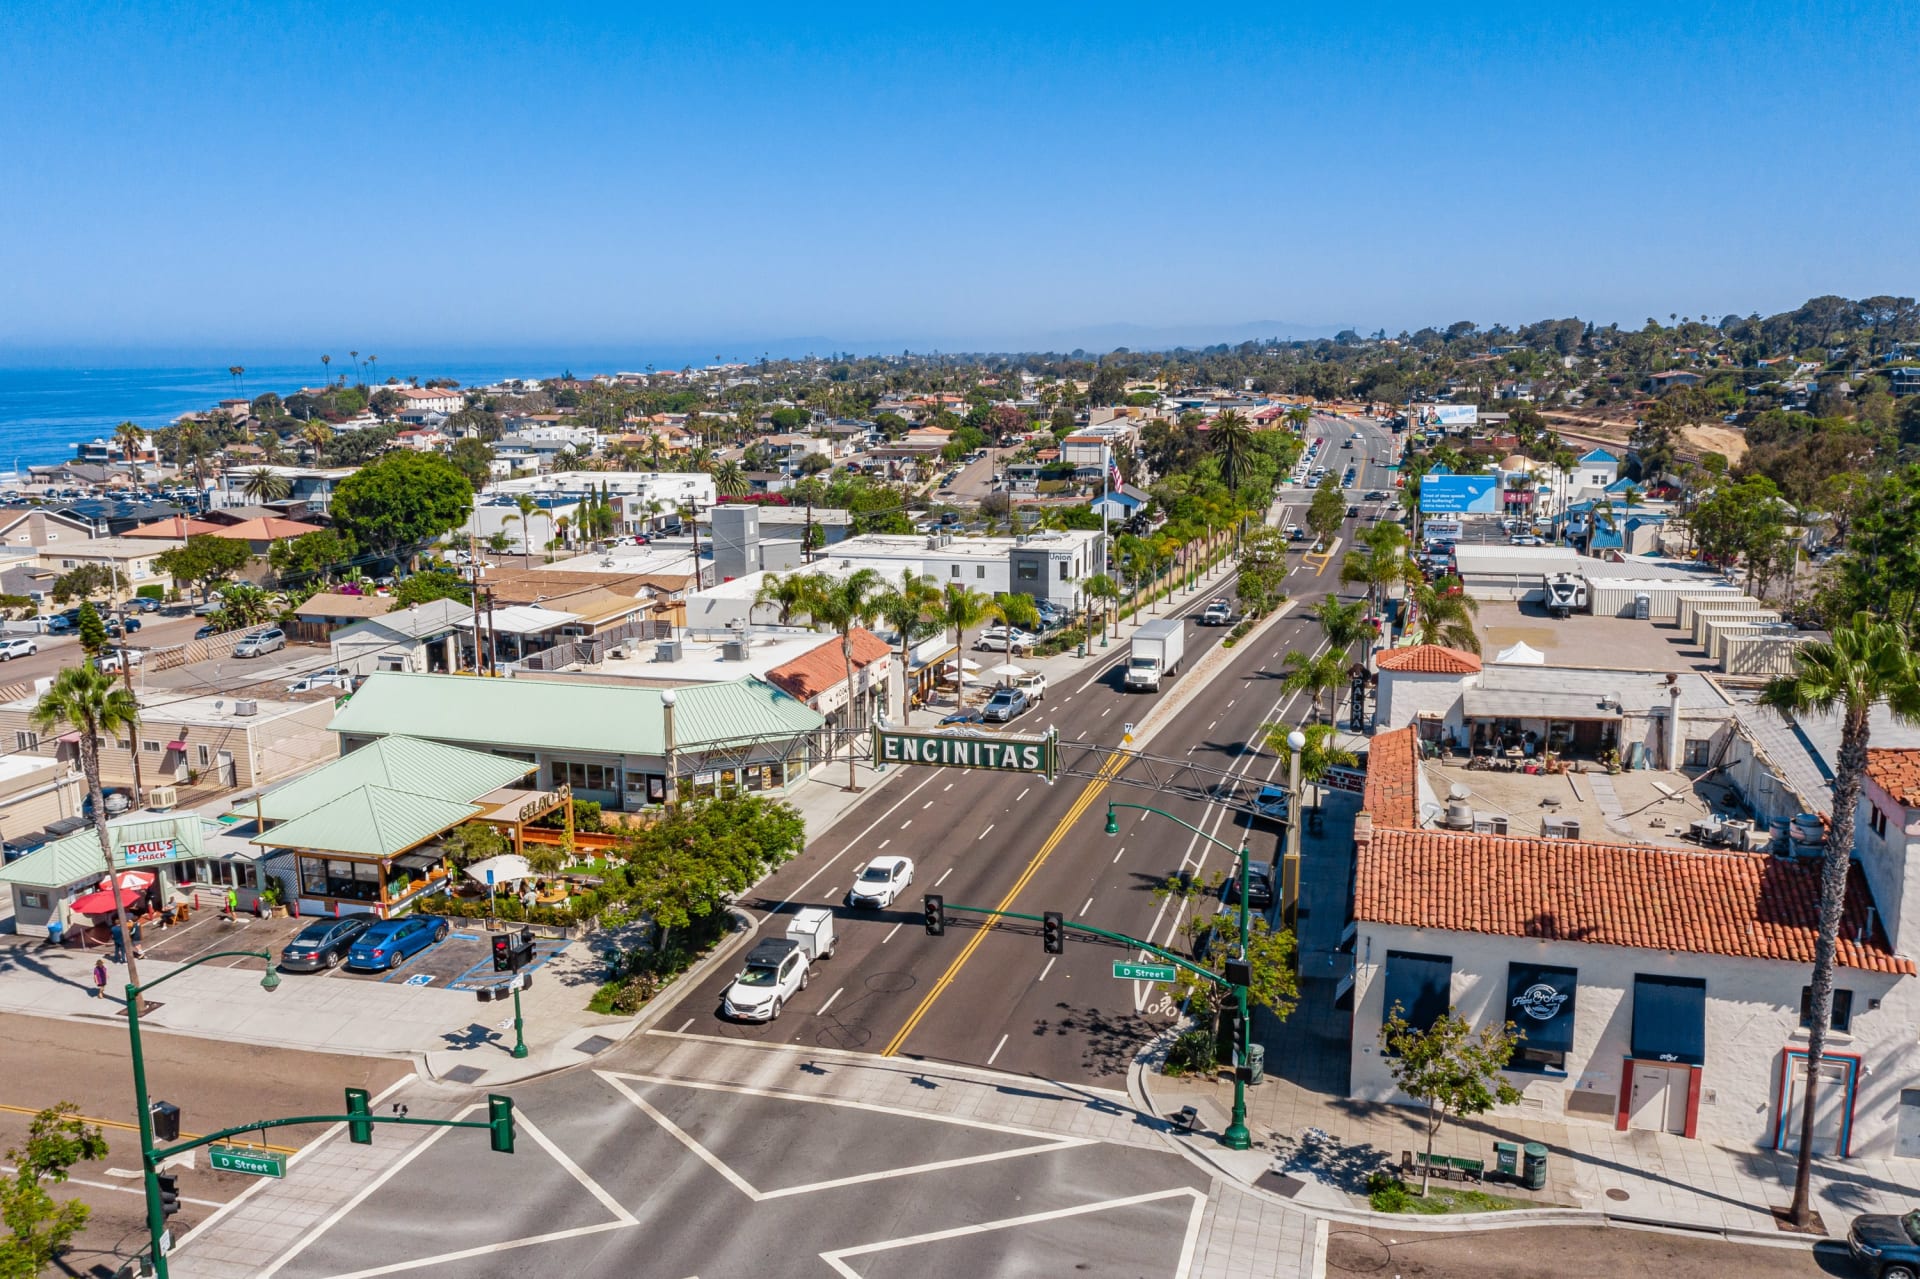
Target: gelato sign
(1007,754)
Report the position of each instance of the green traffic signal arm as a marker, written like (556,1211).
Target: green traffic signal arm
(168,1152)
(195,962)
(1235,849)
(1171,958)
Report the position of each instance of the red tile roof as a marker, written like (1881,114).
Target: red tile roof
(819,669)
(1746,905)
(1430,659)
(1898,773)
(179,526)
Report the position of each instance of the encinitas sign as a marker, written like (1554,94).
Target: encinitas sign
(1004,754)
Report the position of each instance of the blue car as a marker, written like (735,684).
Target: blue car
(390,941)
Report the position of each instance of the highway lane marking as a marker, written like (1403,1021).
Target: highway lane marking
(996,1049)
(931,776)
(943,877)
(983,834)
(883,844)
(1113,765)
(823,1008)
(1084,909)
(891,931)
(1049,968)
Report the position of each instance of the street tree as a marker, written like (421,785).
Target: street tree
(683,867)
(204,560)
(1012,610)
(961,607)
(1103,588)
(1212,939)
(1314,674)
(1449,1066)
(1230,440)
(39,1226)
(93,631)
(1263,570)
(89,582)
(1344,623)
(1328,510)
(907,607)
(1322,751)
(1381,562)
(1444,614)
(1867,663)
(399,503)
(842,604)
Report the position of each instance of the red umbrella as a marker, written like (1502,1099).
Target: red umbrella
(138,880)
(101,902)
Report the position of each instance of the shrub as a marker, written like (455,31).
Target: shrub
(1194,1051)
(1386,1192)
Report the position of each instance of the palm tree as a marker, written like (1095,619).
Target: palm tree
(730,479)
(1443,614)
(1298,417)
(266,485)
(1602,514)
(131,439)
(316,435)
(908,611)
(94,706)
(1866,663)
(1230,439)
(790,594)
(1314,674)
(1343,622)
(1014,610)
(326,368)
(355,357)
(1102,587)
(528,509)
(1319,754)
(843,604)
(236,372)
(1381,563)
(958,608)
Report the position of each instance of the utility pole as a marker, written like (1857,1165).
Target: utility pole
(126,677)
(806,538)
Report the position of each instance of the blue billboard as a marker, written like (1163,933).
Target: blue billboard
(1460,495)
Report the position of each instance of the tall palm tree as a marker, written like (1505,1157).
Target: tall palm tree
(1343,622)
(1011,610)
(1314,674)
(1321,752)
(1381,563)
(1230,439)
(730,479)
(95,707)
(1298,417)
(326,369)
(960,607)
(844,604)
(316,435)
(789,593)
(1866,663)
(131,440)
(266,485)
(236,372)
(1102,587)
(528,509)
(1442,614)
(908,611)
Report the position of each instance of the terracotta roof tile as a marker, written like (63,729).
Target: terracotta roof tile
(819,669)
(1898,773)
(1430,659)
(1392,789)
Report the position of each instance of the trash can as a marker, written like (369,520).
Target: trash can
(1256,1063)
(1536,1166)
(1506,1160)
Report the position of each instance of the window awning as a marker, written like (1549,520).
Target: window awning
(1422,985)
(70,739)
(417,861)
(177,744)
(1515,703)
(1540,1000)
(1670,1019)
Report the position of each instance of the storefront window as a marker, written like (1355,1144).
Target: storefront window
(331,877)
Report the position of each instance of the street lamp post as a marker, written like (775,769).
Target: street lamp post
(156,1220)
(1237,1136)
(667,699)
(1290,861)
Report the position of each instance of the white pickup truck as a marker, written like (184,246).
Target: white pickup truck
(1157,649)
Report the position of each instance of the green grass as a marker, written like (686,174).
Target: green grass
(1443,1202)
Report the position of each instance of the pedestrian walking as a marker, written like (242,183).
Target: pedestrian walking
(99,978)
(119,942)
(230,908)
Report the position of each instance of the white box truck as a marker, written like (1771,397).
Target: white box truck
(1157,649)
(812,928)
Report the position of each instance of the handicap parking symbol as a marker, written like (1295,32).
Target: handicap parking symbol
(420,979)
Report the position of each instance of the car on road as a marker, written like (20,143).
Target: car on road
(1033,684)
(996,639)
(1377,495)
(1524,539)
(12,648)
(1271,802)
(1353,512)
(1259,886)
(1005,704)
(323,944)
(1295,533)
(1888,1247)
(112,662)
(207,632)
(776,971)
(115,628)
(880,882)
(389,941)
(59,625)
(260,643)
(333,677)
(145,604)
(1218,613)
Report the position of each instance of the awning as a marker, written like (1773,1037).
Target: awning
(417,861)
(177,744)
(1540,999)
(69,739)
(101,903)
(1521,654)
(1515,703)
(1421,985)
(1670,1019)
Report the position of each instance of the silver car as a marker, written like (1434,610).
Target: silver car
(260,643)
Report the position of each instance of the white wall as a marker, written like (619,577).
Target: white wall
(1401,697)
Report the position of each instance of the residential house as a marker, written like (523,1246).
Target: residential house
(316,620)
(421,637)
(132,557)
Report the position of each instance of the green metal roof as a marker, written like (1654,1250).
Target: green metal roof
(555,715)
(372,821)
(399,763)
(77,856)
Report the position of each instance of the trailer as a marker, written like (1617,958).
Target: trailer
(1565,593)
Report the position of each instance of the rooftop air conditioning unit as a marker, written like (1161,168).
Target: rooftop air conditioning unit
(667,651)
(1491,824)
(162,799)
(733,650)
(245,706)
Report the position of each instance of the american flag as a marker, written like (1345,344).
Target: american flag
(1114,479)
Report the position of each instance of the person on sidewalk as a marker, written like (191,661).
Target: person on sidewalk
(230,906)
(99,978)
(119,942)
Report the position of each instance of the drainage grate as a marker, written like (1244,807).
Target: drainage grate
(1280,1184)
(1618,1195)
(594,1044)
(464,1075)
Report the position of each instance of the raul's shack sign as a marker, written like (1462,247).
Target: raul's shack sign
(1004,753)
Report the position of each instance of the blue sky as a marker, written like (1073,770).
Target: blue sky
(980,177)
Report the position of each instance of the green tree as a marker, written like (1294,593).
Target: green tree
(730,479)
(473,458)
(842,604)
(1867,663)
(1270,953)
(1444,614)
(1322,751)
(1450,1067)
(789,593)
(398,504)
(243,604)
(204,560)
(420,588)
(1328,510)
(93,632)
(1103,588)
(263,485)
(1314,674)
(1381,562)
(908,609)
(1014,610)
(473,842)
(311,556)
(94,706)
(131,440)
(959,608)
(1263,570)
(1344,623)
(684,867)
(87,582)
(39,1226)
(1230,440)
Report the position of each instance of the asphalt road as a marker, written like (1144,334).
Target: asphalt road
(51,1061)
(1577,1253)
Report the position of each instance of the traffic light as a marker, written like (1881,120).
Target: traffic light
(166,1121)
(1053,932)
(359,1122)
(500,1119)
(169,1193)
(936,915)
(1239,972)
(503,953)
(512,951)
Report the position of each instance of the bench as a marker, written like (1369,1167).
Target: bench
(1445,1167)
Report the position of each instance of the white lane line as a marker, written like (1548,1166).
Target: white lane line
(891,931)
(943,877)
(1210,726)
(690,1021)
(830,998)
(1047,969)
(1116,856)
(983,834)
(948,786)
(1106,712)
(931,776)
(883,844)
(1084,909)
(996,1049)
(1022,795)
(929,804)
(907,823)
(10,1170)
(1230,702)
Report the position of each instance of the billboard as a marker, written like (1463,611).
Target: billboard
(1456,414)
(1460,495)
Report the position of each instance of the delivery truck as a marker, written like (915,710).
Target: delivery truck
(1157,649)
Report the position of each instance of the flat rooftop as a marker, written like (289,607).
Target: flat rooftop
(1648,806)
(1582,640)
(704,662)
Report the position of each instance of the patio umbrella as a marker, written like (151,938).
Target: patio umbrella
(506,868)
(964,664)
(1007,668)
(138,880)
(101,903)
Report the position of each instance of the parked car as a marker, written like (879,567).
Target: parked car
(323,944)
(1259,886)
(995,639)
(12,648)
(59,625)
(146,604)
(207,632)
(116,629)
(880,882)
(1525,539)
(1033,684)
(776,971)
(112,662)
(260,643)
(333,677)
(1271,802)
(1219,613)
(389,941)
(1005,704)
(1886,1245)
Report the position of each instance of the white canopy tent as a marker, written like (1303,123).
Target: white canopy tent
(1521,654)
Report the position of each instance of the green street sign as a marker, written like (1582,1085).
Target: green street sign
(1003,752)
(257,1163)
(1144,972)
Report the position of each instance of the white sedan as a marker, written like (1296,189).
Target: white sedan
(880,882)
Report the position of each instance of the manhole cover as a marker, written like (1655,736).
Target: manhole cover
(890,983)
(843,1037)
(594,1044)
(464,1075)
(1618,1195)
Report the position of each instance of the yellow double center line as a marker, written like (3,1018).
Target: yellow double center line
(1114,764)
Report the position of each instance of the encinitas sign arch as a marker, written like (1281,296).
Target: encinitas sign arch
(1002,753)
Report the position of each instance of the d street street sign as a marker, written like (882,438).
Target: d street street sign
(258,1163)
(1144,972)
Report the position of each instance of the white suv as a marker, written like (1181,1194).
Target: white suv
(12,648)
(776,971)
